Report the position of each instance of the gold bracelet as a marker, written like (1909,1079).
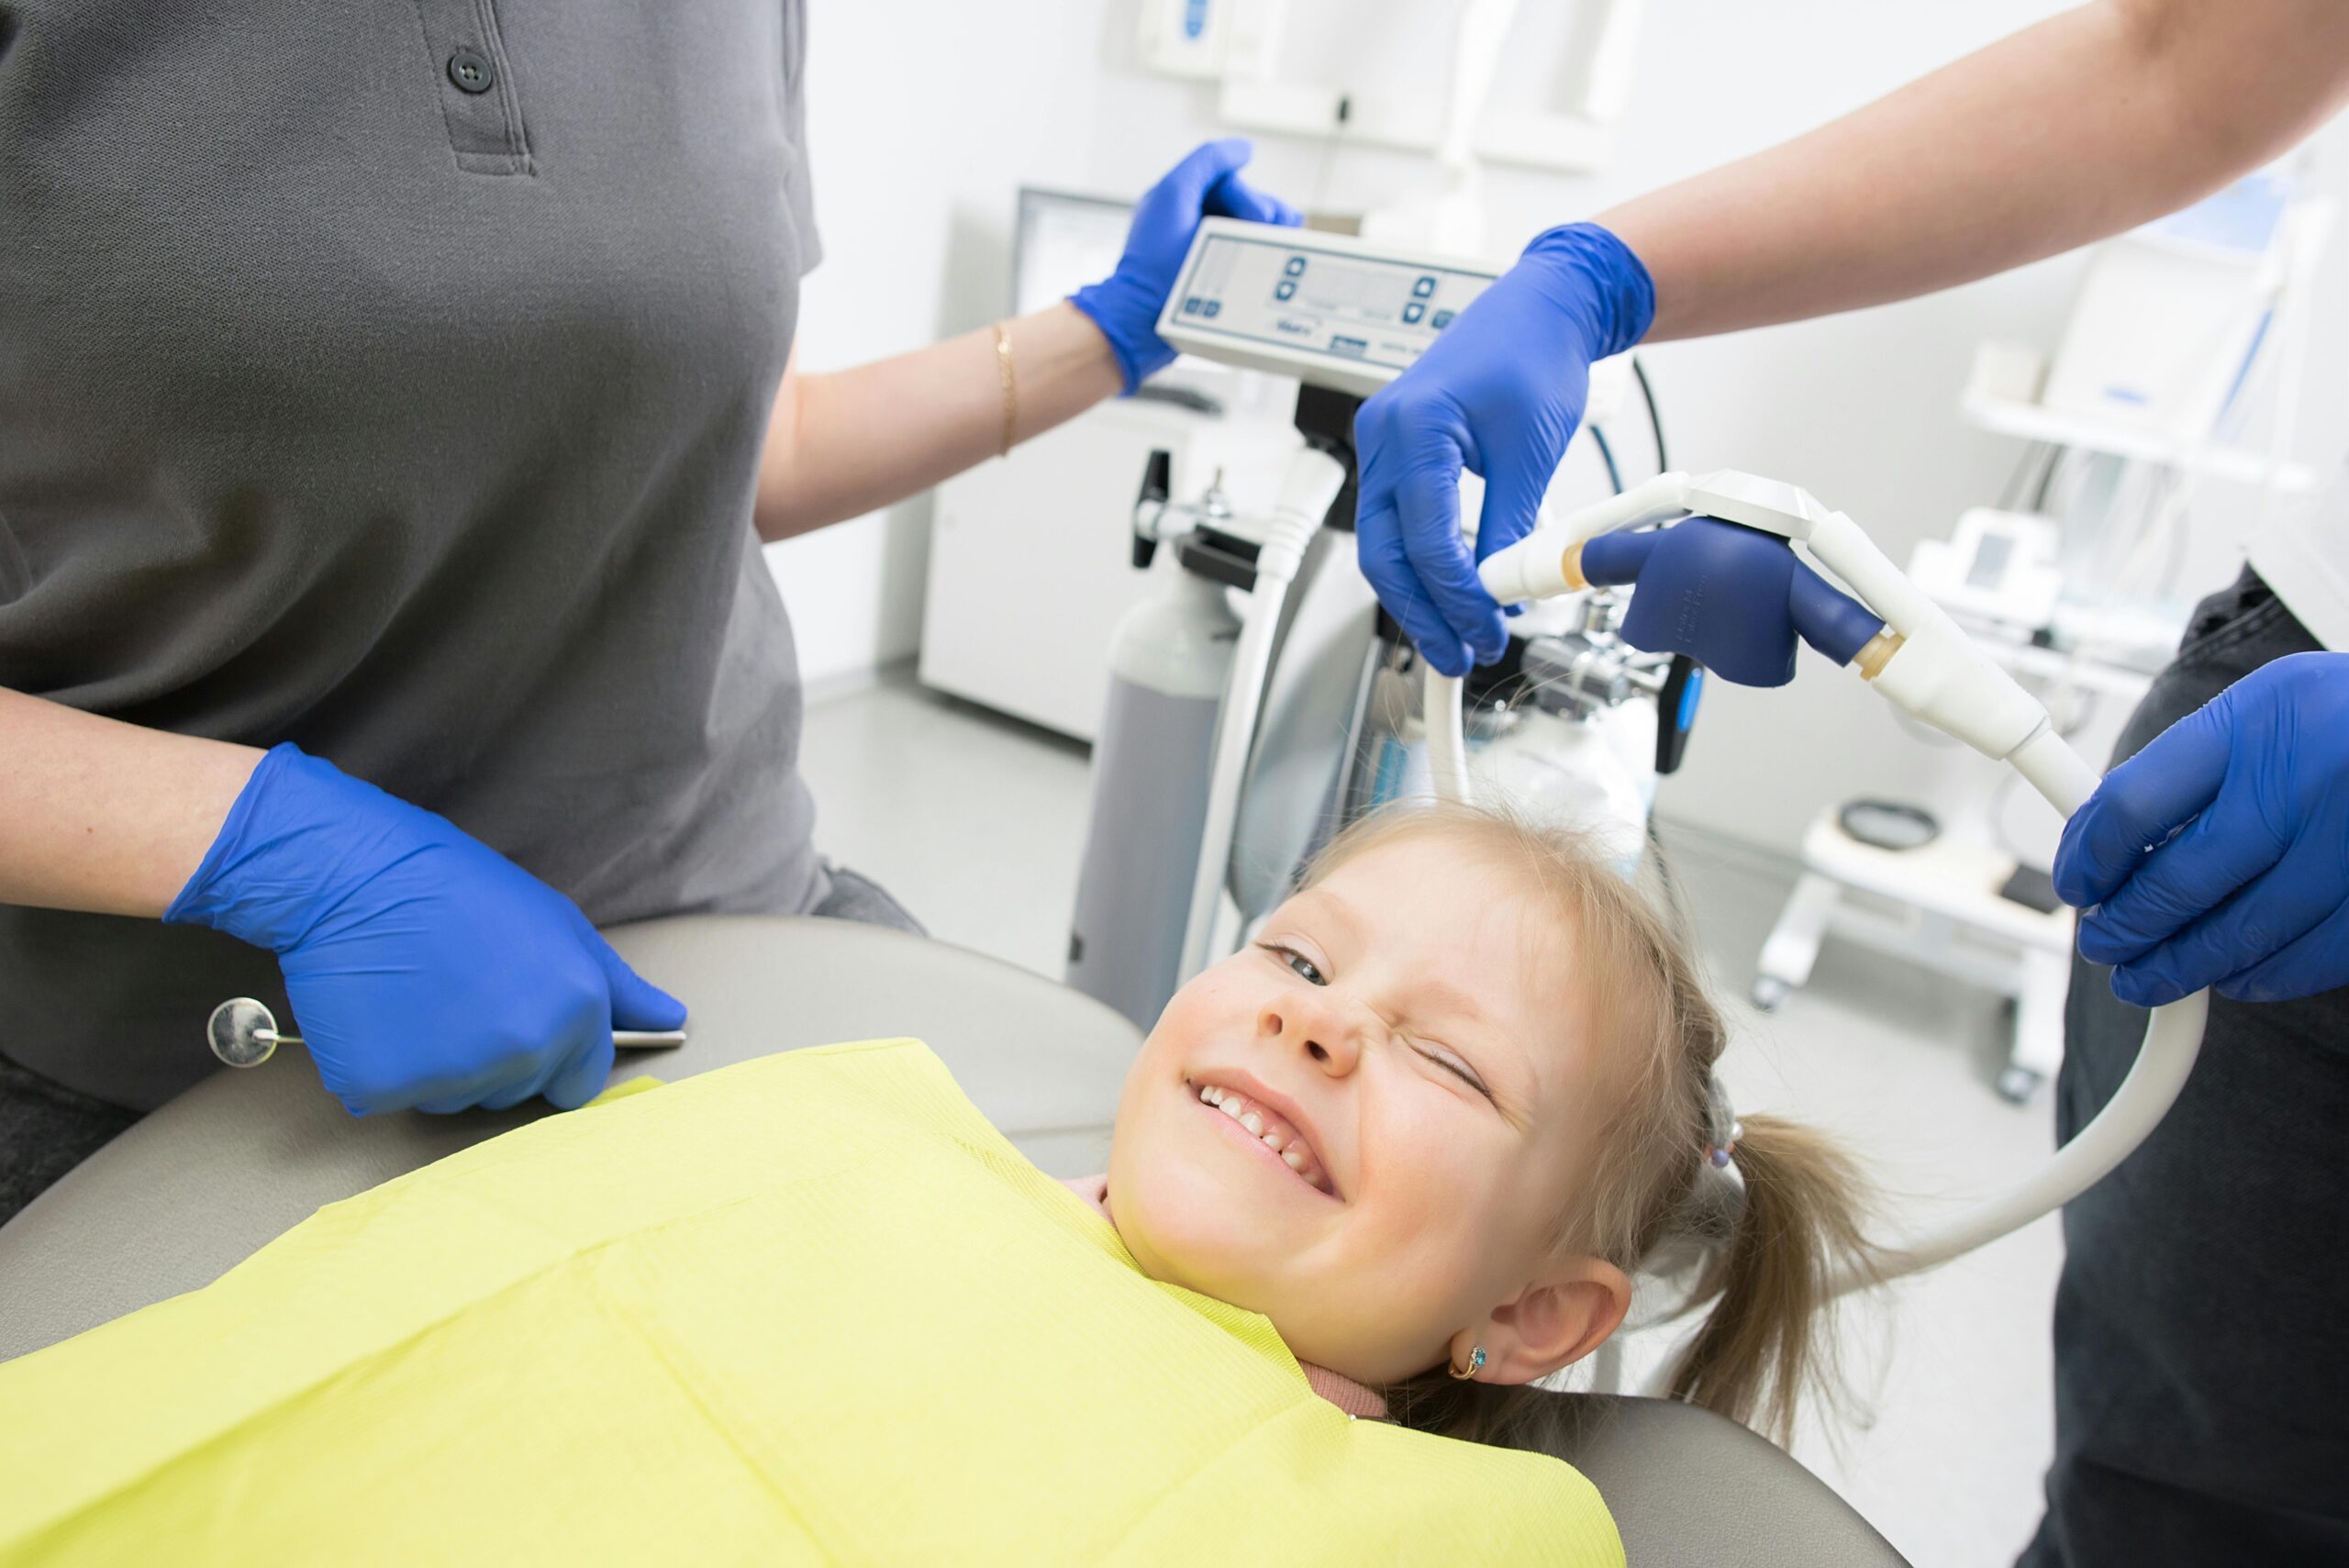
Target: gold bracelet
(1010,386)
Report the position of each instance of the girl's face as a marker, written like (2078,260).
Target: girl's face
(1404,1048)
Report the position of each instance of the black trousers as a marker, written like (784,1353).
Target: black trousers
(2202,1321)
(46,1129)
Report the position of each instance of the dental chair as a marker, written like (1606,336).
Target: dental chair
(244,1156)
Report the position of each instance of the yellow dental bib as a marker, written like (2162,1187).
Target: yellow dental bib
(811,1309)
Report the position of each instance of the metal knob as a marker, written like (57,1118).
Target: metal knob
(1576,676)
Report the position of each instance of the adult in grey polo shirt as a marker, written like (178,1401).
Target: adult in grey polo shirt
(400,394)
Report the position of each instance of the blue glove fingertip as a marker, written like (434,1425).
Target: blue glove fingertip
(2071,881)
(1233,196)
(2140,988)
(2098,944)
(1208,164)
(584,1077)
(636,1003)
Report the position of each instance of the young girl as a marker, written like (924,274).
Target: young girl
(1434,1119)
(1398,1159)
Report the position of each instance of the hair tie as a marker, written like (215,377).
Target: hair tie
(1722,1129)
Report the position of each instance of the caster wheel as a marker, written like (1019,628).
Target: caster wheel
(1769,992)
(2018,1084)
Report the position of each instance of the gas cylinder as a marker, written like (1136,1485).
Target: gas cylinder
(1169,663)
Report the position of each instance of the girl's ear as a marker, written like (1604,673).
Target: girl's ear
(1555,1321)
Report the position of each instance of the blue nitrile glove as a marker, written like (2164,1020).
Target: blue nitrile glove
(425,970)
(1126,303)
(2252,894)
(1499,392)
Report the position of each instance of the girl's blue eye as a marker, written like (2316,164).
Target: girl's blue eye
(1303,966)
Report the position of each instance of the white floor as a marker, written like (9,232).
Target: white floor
(976,823)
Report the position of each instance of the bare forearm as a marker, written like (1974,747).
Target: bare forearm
(103,816)
(2088,124)
(843,443)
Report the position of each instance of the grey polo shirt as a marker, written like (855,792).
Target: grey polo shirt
(390,379)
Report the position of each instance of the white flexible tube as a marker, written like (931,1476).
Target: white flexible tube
(1943,677)
(2173,1039)
(2050,766)
(1532,568)
(1312,483)
(1447,735)
(1939,675)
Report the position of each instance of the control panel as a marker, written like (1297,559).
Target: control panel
(1333,310)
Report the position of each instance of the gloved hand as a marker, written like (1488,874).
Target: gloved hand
(1499,392)
(425,970)
(1124,305)
(2252,894)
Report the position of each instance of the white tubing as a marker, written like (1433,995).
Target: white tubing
(1650,501)
(1312,483)
(1939,675)
(2173,1039)
(1235,729)
(2063,779)
(1447,735)
(1532,568)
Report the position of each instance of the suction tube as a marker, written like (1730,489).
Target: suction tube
(2173,1039)
(1312,483)
(1447,735)
(1924,663)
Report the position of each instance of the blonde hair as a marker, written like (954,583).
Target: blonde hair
(1650,1187)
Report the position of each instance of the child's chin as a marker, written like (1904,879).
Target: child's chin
(1202,1242)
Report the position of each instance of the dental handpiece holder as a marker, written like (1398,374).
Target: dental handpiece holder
(1715,575)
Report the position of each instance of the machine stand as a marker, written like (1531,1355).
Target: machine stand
(1937,905)
(1325,417)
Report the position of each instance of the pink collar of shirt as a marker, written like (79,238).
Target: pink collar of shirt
(1354,1398)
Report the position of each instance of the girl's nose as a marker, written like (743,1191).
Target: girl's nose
(1326,1031)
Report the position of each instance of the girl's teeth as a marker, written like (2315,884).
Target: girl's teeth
(1233,1106)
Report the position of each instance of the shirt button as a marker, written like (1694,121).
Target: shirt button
(472,71)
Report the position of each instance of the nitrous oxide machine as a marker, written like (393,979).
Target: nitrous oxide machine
(1259,700)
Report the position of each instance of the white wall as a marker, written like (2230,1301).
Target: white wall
(926,115)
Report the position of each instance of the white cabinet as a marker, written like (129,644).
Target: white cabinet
(1030,557)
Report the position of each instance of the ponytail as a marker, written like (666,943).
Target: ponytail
(1758,1351)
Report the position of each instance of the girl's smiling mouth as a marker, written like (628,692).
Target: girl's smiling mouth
(1276,1138)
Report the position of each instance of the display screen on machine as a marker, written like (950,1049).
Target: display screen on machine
(1330,309)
